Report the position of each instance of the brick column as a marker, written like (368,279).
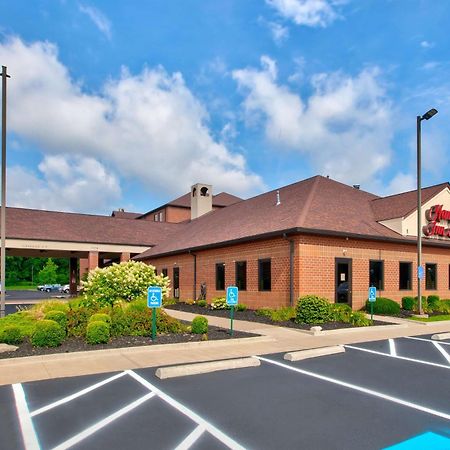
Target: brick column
(93,260)
(84,267)
(125,256)
(73,265)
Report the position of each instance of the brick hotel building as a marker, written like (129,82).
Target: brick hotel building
(317,236)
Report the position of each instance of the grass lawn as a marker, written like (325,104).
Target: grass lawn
(432,318)
(20,288)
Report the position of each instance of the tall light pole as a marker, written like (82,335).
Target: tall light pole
(428,115)
(3,198)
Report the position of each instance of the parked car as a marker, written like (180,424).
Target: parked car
(49,287)
(65,289)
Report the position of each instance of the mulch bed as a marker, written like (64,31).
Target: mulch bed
(251,316)
(79,345)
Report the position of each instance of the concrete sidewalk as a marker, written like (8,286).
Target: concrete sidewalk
(273,340)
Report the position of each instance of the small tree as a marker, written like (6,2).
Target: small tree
(48,274)
(125,281)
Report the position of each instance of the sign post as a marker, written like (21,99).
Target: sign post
(372,299)
(232,300)
(154,300)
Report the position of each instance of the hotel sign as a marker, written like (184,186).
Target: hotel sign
(438,222)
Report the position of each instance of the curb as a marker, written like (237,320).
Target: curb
(314,353)
(205,367)
(440,336)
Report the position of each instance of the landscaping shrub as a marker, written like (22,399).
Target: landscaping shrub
(359,319)
(313,310)
(424,304)
(219,303)
(199,325)
(48,333)
(283,314)
(125,281)
(341,312)
(11,334)
(201,303)
(169,301)
(77,319)
(432,301)
(167,324)
(48,306)
(120,322)
(25,320)
(241,307)
(59,317)
(442,306)
(100,317)
(97,332)
(384,306)
(264,312)
(408,303)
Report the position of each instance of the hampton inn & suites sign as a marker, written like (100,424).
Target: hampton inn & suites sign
(438,222)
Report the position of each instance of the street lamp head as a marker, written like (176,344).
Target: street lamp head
(429,114)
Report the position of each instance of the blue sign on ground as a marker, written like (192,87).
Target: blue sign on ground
(154,297)
(372,294)
(420,273)
(232,295)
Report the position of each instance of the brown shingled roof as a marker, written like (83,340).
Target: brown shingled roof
(401,205)
(71,227)
(314,204)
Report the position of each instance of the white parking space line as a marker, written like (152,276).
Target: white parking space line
(441,349)
(76,395)
(222,437)
(392,347)
(103,423)
(403,358)
(359,389)
(29,436)
(191,438)
(423,339)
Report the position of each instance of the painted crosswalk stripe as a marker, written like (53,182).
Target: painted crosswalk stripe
(441,349)
(424,340)
(191,438)
(362,389)
(392,347)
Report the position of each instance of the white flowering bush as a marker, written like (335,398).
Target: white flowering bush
(125,281)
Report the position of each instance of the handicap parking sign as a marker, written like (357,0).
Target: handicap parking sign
(372,294)
(420,273)
(154,297)
(232,295)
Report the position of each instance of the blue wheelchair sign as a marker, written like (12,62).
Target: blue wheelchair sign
(372,294)
(154,297)
(232,295)
(420,273)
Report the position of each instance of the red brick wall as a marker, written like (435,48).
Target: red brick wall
(176,215)
(314,269)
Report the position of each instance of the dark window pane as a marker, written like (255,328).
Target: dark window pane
(220,277)
(376,274)
(430,276)
(176,282)
(264,275)
(164,272)
(405,275)
(241,275)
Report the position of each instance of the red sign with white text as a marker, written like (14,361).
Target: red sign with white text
(434,215)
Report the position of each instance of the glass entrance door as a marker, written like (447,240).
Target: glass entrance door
(343,283)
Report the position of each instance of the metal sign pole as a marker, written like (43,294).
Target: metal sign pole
(153,324)
(232,316)
(3,207)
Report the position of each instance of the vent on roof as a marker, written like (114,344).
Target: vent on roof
(278,198)
(356,186)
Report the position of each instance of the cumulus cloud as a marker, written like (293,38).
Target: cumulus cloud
(98,18)
(343,126)
(147,126)
(64,183)
(312,13)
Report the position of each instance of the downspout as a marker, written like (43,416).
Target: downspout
(195,275)
(291,269)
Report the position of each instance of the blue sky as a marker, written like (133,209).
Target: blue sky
(126,104)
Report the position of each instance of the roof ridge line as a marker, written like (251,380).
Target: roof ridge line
(308,202)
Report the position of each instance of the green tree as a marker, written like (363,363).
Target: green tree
(48,275)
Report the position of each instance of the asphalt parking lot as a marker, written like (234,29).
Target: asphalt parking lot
(375,395)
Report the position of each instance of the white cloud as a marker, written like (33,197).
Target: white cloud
(402,182)
(279,32)
(99,19)
(147,126)
(427,44)
(64,183)
(343,127)
(312,13)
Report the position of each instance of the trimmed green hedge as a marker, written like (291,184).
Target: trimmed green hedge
(48,333)
(384,306)
(100,317)
(312,309)
(199,325)
(59,317)
(11,334)
(97,332)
